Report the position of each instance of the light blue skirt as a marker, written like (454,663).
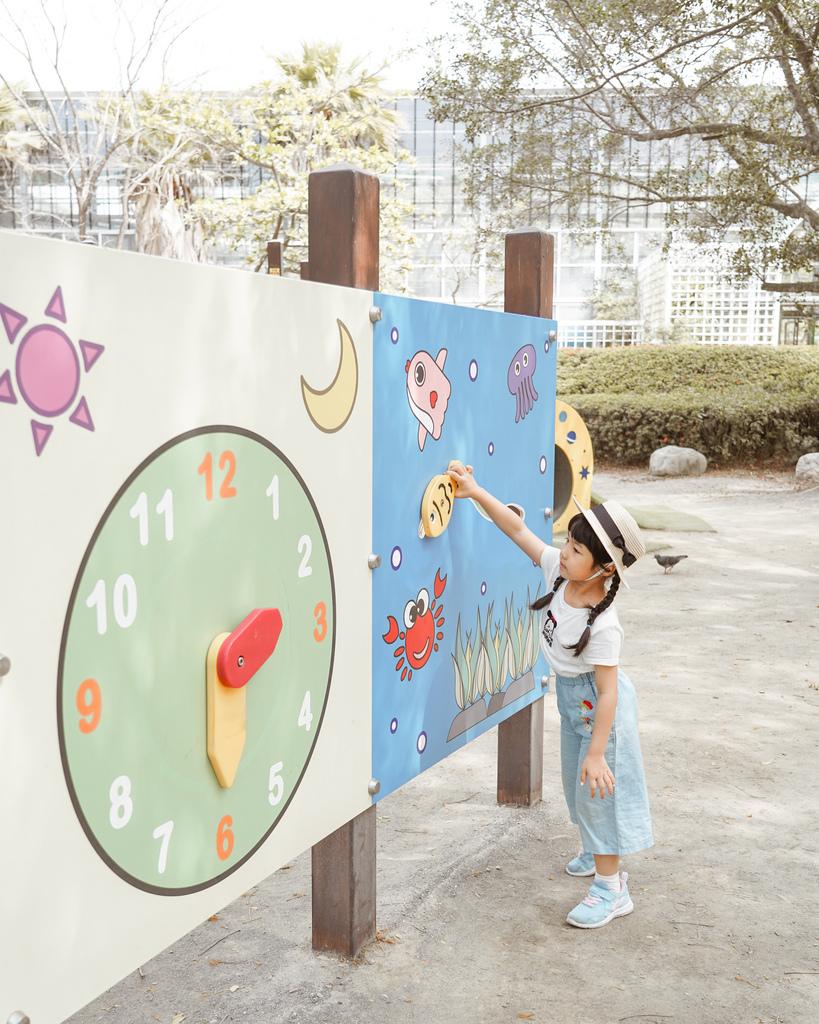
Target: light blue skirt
(620,823)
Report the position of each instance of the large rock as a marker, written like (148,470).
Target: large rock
(807,470)
(673,461)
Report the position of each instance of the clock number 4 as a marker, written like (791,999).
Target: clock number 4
(227,463)
(124,602)
(139,511)
(306,715)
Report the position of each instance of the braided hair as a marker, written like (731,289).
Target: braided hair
(581,531)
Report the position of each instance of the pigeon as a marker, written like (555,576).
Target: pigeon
(669,561)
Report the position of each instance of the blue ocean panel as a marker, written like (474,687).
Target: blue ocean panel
(455,646)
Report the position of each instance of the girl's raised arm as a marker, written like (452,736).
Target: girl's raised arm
(508,521)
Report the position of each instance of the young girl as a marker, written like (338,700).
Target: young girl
(581,638)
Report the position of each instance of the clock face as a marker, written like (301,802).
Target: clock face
(213,525)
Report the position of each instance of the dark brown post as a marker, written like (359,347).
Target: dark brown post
(342,242)
(529,283)
(274,258)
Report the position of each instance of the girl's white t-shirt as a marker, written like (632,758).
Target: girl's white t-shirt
(561,624)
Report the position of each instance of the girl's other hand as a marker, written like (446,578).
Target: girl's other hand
(600,777)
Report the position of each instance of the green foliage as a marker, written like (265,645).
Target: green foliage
(732,404)
(561,102)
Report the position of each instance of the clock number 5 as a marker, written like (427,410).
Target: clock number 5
(227,463)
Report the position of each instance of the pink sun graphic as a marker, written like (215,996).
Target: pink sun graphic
(47,369)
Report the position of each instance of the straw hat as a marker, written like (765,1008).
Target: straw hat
(618,533)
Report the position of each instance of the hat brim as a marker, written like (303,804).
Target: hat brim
(614,553)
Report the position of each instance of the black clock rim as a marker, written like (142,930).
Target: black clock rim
(139,883)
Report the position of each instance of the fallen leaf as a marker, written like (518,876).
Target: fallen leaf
(526,1016)
(234,988)
(215,963)
(179,1018)
(214,918)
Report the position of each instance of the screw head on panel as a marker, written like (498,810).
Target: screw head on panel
(552,335)
(547,513)
(18,1017)
(373,561)
(374,787)
(375,314)
(544,681)
(5,665)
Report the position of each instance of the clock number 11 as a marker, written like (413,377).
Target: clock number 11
(139,511)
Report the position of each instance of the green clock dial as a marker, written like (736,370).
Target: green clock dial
(213,525)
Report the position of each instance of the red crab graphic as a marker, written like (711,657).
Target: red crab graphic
(421,619)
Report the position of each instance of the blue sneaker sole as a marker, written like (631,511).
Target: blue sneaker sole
(581,874)
(620,912)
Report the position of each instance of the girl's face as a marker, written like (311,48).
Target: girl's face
(576,561)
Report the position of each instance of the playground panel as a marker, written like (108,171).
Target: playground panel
(182,445)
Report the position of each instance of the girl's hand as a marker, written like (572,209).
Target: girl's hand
(596,770)
(467,485)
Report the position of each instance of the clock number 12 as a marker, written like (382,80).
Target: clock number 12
(227,463)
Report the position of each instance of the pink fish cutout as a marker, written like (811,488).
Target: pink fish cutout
(428,391)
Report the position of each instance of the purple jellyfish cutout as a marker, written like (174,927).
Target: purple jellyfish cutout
(519,379)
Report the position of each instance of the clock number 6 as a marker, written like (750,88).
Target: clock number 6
(224,838)
(89,705)
(227,460)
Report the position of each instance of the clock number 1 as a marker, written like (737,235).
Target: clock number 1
(164,508)
(227,463)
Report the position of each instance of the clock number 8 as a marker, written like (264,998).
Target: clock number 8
(224,838)
(122,806)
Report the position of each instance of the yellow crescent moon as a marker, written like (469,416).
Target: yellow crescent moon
(331,408)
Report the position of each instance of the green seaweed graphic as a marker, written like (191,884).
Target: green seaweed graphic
(502,650)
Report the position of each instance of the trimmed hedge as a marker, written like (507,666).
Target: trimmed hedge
(733,404)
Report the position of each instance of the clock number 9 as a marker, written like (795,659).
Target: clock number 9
(89,705)
(226,459)
(224,838)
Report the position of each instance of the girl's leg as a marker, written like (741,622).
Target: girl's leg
(607,864)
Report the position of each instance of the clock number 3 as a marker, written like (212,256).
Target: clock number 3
(227,463)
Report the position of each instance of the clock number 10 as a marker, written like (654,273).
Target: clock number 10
(124,602)
(227,463)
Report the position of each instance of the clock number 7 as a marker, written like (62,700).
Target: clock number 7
(163,832)
(227,462)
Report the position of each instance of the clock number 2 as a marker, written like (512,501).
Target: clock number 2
(227,462)
(224,838)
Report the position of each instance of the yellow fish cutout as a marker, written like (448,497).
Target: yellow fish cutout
(437,505)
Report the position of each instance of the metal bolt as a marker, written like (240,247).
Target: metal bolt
(552,335)
(544,681)
(375,314)
(18,1017)
(547,513)
(5,665)
(373,787)
(240,661)
(373,561)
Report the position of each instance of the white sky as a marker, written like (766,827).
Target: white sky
(226,43)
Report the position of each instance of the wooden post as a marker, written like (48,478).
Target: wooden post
(528,288)
(342,241)
(274,258)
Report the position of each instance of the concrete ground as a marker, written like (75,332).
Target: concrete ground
(472,896)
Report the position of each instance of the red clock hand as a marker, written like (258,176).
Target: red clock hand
(248,647)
